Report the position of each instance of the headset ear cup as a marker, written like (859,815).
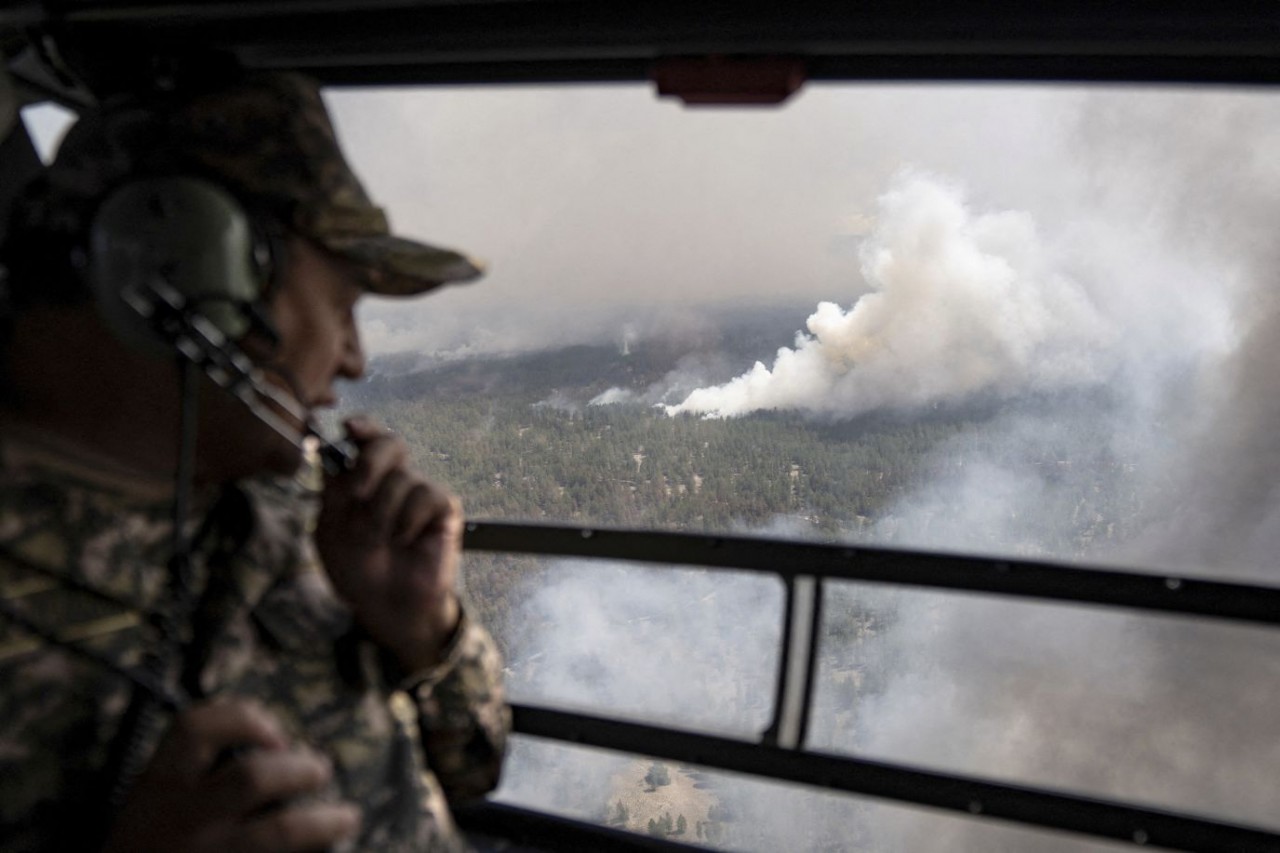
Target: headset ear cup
(185,232)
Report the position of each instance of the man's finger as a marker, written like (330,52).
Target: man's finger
(199,735)
(375,461)
(256,779)
(363,428)
(389,500)
(445,531)
(426,509)
(301,827)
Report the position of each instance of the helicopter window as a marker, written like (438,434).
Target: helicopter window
(47,123)
(989,319)
(1101,702)
(636,642)
(1030,321)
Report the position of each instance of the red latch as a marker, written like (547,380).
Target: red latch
(725,80)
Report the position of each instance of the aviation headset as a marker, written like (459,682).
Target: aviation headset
(194,236)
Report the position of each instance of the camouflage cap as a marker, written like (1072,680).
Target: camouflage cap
(268,139)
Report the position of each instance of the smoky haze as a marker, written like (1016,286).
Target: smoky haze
(601,207)
(1113,247)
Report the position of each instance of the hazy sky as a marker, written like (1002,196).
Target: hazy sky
(597,205)
(605,205)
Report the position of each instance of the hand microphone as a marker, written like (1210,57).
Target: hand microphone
(335,456)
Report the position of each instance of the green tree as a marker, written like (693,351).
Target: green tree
(682,825)
(657,776)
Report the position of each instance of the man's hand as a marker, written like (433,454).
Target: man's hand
(390,541)
(225,779)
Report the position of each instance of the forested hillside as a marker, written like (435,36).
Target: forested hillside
(518,439)
(630,465)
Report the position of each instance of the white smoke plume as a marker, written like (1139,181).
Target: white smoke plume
(612,397)
(962,304)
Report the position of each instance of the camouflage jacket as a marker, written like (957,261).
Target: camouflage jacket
(86,560)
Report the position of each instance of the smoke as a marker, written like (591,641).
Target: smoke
(690,371)
(690,648)
(1179,470)
(613,396)
(961,304)
(448,327)
(726,627)
(1167,713)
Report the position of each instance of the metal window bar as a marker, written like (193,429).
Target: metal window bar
(780,755)
(350,41)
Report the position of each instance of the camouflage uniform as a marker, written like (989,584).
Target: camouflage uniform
(83,550)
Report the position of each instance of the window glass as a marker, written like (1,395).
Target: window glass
(47,123)
(686,647)
(1174,713)
(1036,321)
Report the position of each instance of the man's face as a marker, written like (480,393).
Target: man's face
(313,311)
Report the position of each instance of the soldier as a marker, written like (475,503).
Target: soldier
(277,689)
